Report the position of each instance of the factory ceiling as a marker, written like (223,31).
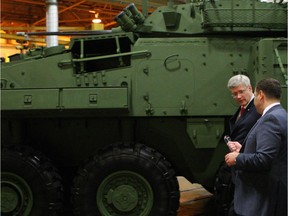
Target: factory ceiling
(30,15)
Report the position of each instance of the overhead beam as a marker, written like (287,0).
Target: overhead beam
(138,3)
(61,11)
(81,20)
(31,2)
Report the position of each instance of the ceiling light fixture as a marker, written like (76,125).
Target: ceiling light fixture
(96,20)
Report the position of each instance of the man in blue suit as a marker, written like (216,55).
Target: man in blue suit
(261,162)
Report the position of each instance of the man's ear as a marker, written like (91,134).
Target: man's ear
(261,94)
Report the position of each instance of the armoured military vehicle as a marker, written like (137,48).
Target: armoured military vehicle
(123,112)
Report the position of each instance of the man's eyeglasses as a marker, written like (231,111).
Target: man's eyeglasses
(240,92)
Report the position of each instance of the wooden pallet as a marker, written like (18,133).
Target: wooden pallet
(194,199)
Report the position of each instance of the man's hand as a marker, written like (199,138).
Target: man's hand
(234,146)
(230,158)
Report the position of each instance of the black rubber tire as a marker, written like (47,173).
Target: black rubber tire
(31,183)
(142,162)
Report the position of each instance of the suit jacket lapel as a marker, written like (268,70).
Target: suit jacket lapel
(244,142)
(234,117)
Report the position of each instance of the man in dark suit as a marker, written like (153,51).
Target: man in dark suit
(239,126)
(246,115)
(261,162)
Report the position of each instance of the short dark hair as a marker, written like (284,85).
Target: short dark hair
(270,87)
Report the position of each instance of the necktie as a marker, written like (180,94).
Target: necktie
(242,111)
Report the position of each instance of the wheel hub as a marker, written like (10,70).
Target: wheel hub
(9,199)
(124,192)
(16,195)
(124,198)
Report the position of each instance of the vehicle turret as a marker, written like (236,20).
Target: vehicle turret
(203,17)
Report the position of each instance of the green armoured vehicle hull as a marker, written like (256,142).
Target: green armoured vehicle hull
(132,109)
